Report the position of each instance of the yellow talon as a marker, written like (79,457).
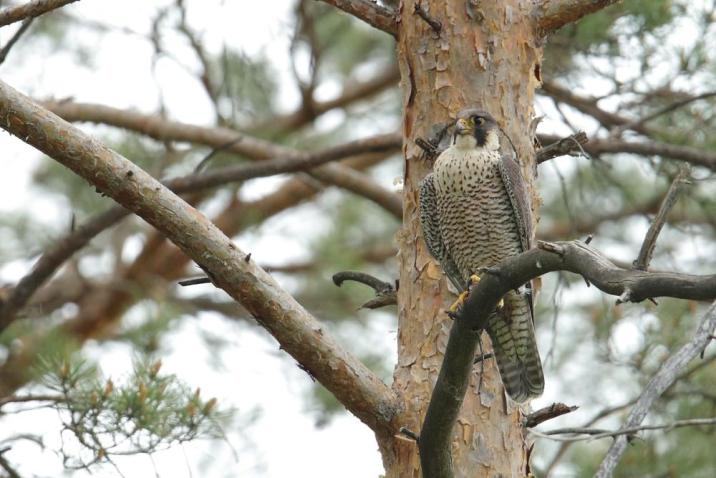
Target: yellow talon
(457,305)
(474,280)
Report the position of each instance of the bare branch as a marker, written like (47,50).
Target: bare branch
(60,251)
(561,147)
(598,146)
(162,129)
(583,434)
(30,398)
(547,413)
(385,292)
(434,24)
(662,111)
(352,93)
(667,374)
(52,259)
(6,466)
(647,248)
(551,15)
(299,333)
(30,10)
(511,274)
(362,185)
(373,14)
(11,42)
(590,107)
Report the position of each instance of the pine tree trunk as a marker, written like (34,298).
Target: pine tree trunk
(486,55)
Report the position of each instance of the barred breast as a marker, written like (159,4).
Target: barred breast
(477,223)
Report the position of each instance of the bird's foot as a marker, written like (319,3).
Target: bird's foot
(456,307)
(472,281)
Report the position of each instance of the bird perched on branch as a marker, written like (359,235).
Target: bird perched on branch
(474,213)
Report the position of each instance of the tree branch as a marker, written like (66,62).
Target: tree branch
(373,14)
(551,15)
(12,41)
(590,107)
(570,144)
(30,9)
(385,292)
(598,146)
(299,333)
(547,413)
(362,185)
(598,433)
(60,251)
(352,93)
(662,380)
(511,274)
(163,130)
(647,248)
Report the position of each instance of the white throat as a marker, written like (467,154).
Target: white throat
(492,142)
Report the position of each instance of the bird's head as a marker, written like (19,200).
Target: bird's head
(476,128)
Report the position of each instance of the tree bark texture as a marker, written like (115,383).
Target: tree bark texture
(486,55)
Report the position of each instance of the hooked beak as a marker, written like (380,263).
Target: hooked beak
(462,127)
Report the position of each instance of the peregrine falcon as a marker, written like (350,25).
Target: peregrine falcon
(474,213)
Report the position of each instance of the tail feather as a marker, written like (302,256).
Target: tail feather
(514,345)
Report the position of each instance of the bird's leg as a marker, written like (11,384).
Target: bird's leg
(457,305)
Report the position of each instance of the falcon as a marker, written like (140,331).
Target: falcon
(474,213)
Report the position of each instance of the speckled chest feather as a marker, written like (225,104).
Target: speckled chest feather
(477,222)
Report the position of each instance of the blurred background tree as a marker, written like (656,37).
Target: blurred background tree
(304,75)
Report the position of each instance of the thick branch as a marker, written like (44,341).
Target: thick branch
(373,14)
(511,274)
(299,333)
(30,9)
(551,15)
(662,380)
(162,129)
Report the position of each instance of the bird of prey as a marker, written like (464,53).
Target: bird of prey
(474,213)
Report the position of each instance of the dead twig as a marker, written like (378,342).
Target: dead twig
(647,248)
(385,292)
(547,413)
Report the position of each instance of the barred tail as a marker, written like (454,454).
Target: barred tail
(512,334)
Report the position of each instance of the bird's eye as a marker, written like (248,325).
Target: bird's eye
(479,120)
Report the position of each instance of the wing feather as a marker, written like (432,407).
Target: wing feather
(430,225)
